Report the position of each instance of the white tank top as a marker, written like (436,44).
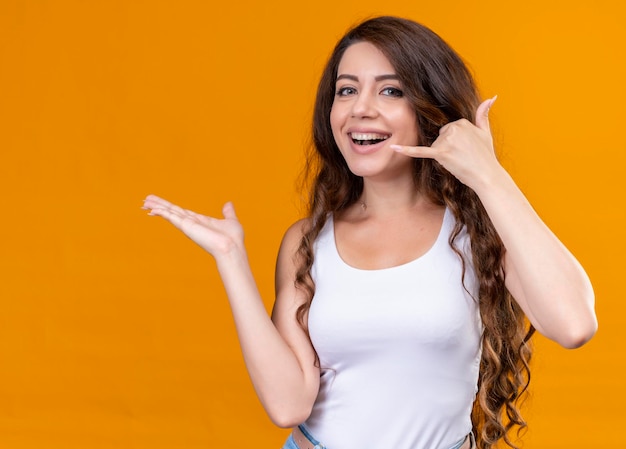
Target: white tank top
(399,348)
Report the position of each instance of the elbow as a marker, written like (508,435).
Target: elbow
(292,405)
(288,417)
(287,421)
(580,324)
(578,335)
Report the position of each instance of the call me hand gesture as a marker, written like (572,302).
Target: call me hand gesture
(464,149)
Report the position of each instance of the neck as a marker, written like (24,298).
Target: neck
(383,198)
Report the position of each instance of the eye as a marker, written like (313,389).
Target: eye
(392,92)
(345,91)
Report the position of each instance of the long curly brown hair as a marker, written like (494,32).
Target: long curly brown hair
(441,90)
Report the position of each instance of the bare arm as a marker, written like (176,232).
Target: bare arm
(544,277)
(279,358)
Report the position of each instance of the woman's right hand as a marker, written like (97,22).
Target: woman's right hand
(217,236)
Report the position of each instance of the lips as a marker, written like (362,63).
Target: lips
(368,138)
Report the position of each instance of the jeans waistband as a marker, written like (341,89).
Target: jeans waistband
(314,444)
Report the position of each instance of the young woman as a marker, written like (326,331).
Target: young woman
(406,299)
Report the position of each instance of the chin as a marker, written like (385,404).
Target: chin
(364,170)
(378,169)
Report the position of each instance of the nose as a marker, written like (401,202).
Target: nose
(364,105)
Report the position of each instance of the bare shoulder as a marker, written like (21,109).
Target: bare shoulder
(286,265)
(293,235)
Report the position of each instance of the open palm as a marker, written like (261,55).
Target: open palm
(218,236)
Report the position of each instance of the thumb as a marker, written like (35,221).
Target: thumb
(229,211)
(482,114)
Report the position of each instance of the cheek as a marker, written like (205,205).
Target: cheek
(415,135)
(335,122)
(409,122)
(334,113)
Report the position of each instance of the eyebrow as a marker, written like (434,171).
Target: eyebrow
(390,76)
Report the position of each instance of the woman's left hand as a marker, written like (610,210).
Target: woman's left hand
(542,275)
(463,148)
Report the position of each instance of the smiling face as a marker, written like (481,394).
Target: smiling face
(370,113)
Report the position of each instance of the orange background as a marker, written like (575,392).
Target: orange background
(115,331)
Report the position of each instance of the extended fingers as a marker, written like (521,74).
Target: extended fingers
(418,151)
(171,216)
(160,207)
(153,202)
(178,216)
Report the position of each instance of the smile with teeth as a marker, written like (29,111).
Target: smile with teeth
(368,138)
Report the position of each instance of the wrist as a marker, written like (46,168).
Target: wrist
(498,180)
(231,254)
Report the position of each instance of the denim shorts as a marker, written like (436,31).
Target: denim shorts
(291,444)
